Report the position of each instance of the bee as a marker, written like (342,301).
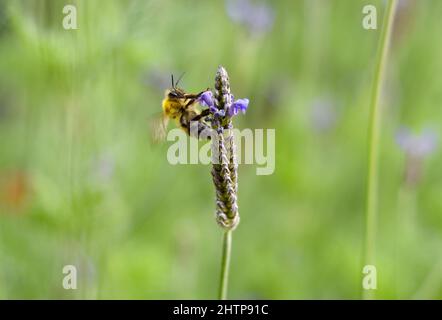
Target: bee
(182,107)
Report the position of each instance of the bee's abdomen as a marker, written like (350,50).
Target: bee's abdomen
(195,128)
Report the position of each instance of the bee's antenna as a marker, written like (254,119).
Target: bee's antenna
(176,84)
(173,84)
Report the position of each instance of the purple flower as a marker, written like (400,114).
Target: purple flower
(206,100)
(217,112)
(416,145)
(237,106)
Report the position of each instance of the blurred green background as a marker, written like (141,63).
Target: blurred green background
(80,183)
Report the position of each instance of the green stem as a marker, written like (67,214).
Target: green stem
(431,283)
(374,134)
(225,263)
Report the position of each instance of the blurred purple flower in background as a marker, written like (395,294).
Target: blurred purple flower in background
(323,115)
(157,79)
(416,147)
(103,167)
(258,18)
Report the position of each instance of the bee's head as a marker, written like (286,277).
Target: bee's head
(175,93)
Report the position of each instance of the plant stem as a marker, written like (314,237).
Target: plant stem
(374,134)
(225,264)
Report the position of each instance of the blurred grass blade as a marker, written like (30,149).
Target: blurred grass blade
(373,136)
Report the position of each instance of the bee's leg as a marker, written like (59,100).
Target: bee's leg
(203,114)
(189,103)
(199,94)
(195,96)
(191,96)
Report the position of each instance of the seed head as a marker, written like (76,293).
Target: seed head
(224,170)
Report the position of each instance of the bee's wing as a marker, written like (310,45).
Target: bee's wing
(158,127)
